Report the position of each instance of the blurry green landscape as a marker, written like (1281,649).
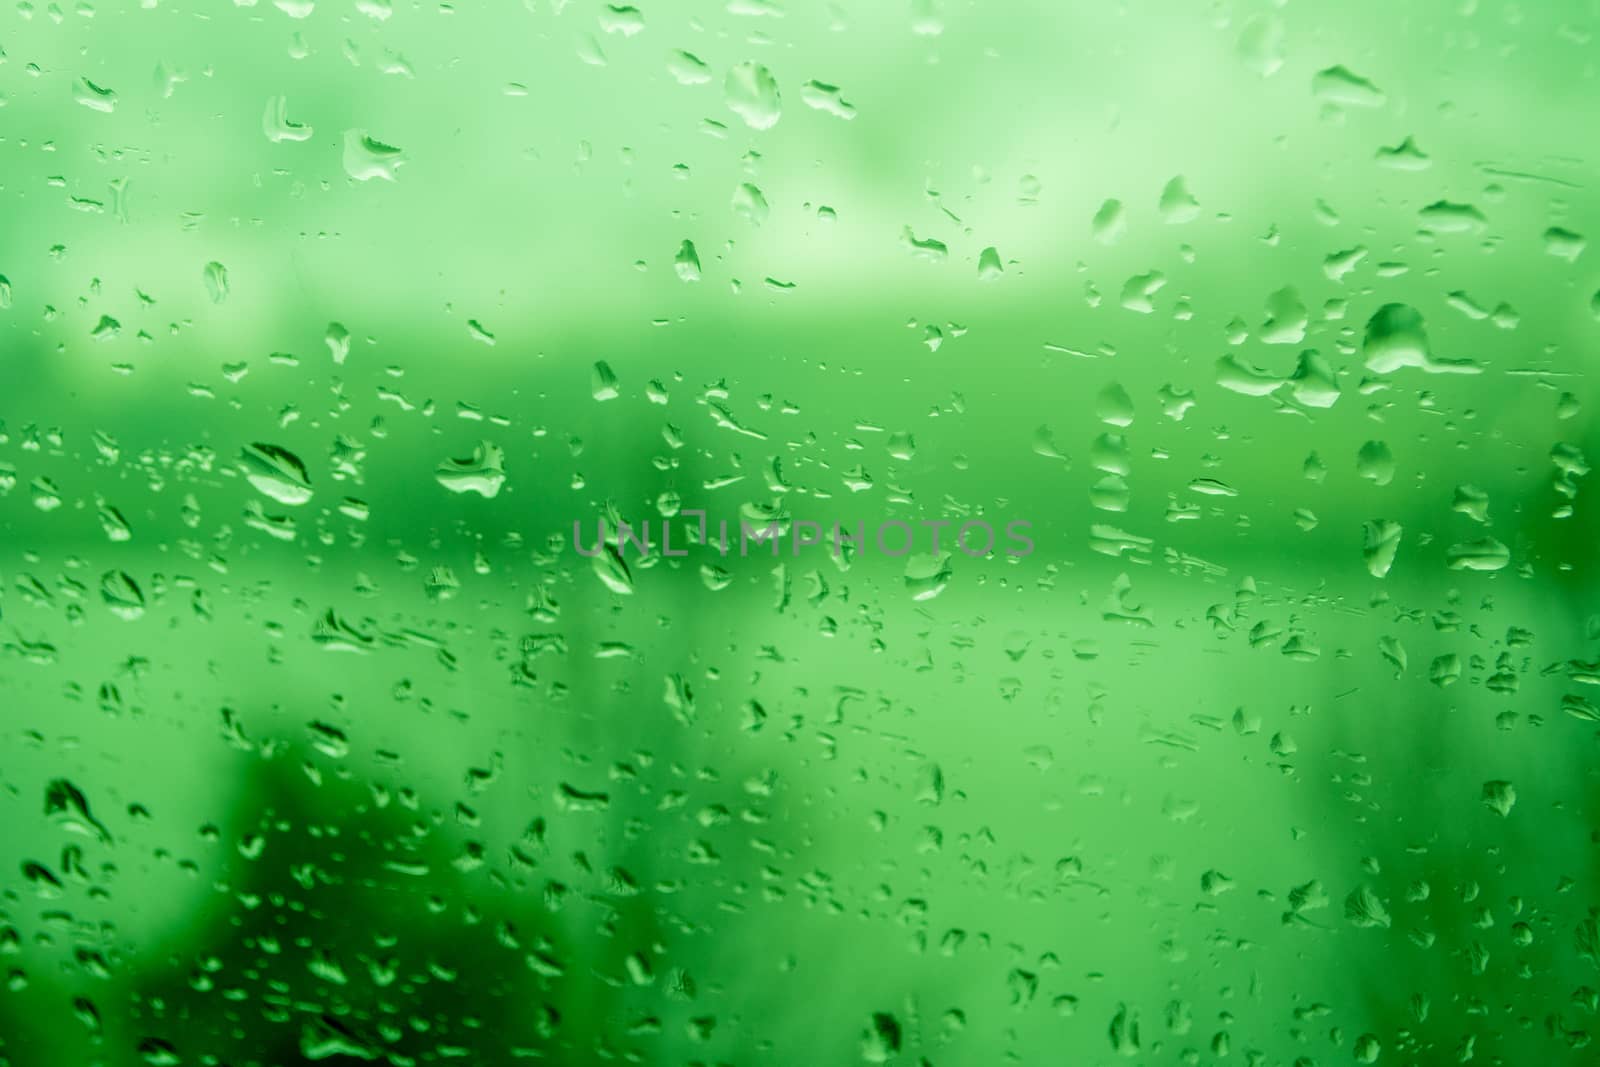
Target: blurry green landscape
(320,742)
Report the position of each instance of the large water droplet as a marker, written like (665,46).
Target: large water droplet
(751,92)
(366,158)
(277,472)
(483,472)
(1395,339)
(1338,85)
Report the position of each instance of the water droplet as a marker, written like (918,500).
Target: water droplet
(612,569)
(603,383)
(1338,264)
(114,524)
(1139,289)
(1564,244)
(1472,502)
(1404,156)
(1395,339)
(1212,487)
(66,804)
(687,262)
(589,51)
(325,1038)
(94,97)
(1237,376)
(927,575)
(881,1041)
(1314,383)
(1445,670)
(1107,224)
(1499,797)
(366,158)
(1044,444)
(277,127)
(1380,542)
(483,472)
(216,279)
(159,1053)
(1375,463)
(751,92)
(989,267)
(1338,85)
(1261,44)
(688,68)
(1177,204)
(925,18)
(824,97)
(621,19)
(122,595)
(1443,216)
(1124,1032)
(337,338)
(1175,402)
(1363,908)
(1286,318)
(927,248)
(46,495)
(1110,493)
(1484,554)
(1114,406)
(750,204)
(277,473)
(335,634)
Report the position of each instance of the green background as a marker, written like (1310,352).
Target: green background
(1189,784)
